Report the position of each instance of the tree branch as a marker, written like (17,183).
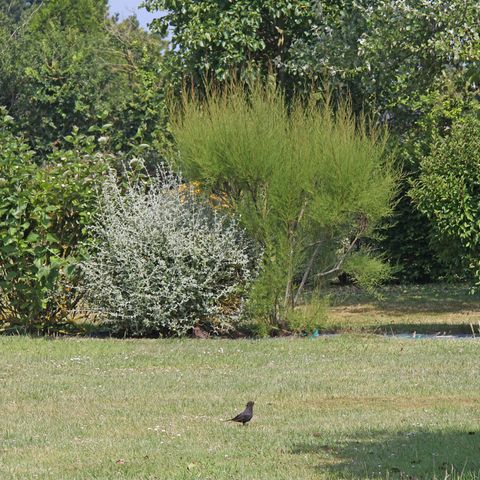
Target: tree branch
(291,236)
(307,272)
(339,264)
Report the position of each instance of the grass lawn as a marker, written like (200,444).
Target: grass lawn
(406,308)
(327,408)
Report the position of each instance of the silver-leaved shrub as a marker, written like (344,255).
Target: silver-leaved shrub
(165,260)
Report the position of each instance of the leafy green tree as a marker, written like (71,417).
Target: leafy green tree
(217,39)
(139,121)
(83,15)
(58,83)
(448,192)
(307,183)
(58,76)
(396,55)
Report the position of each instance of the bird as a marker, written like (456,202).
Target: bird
(199,333)
(245,416)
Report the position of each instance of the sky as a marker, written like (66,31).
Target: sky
(127,7)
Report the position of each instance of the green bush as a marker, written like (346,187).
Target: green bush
(44,211)
(308,182)
(448,192)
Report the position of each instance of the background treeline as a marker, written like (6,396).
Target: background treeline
(88,101)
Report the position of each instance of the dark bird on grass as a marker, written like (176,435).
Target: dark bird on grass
(245,416)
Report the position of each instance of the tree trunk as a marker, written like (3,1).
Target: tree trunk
(307,273)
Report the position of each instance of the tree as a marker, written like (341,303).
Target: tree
(221,39)
(307,183)
(100,77)
(83,15)
(396,55)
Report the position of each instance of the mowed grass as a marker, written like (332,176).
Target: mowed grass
(434,309)
(329,408)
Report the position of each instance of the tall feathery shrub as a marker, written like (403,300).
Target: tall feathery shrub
(309,181)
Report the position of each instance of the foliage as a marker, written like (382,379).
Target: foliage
(307,183)
(14,9)
(165,261)
(65,68)
(417,63)
(43,214)
(394,53)
(368,270)
(218,39)
(406,242)
(448,192)
(85,16)
(305,319)
(56,75)
(140,121)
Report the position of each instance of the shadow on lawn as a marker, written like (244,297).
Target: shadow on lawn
(400,306)
(402,299)
(428,328)
(405,455)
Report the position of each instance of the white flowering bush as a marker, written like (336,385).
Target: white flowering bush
(165,260)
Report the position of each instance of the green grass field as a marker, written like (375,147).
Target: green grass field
(329,408)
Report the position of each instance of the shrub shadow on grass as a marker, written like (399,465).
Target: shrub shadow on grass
(402,299)
(398,306)
(418,329)
(406,455)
